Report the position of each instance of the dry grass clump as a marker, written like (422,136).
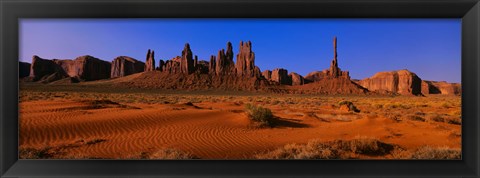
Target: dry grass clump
(338,149)
(169,154)
(415,118)
(454,120)
(259,114)
(428,152)
(436,118)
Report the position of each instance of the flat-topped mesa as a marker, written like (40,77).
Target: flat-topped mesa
(150,61)
(86,68)
(280,75)
(124,65)
(401,82)
(187,63)
(224,64)
(442,87)
(245,65)
(332,72)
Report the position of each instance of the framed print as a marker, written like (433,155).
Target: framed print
(240,88)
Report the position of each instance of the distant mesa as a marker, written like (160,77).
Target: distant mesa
(83,68)
(124,65)
(221,72)
(402,82)
(23,69)
(405,82)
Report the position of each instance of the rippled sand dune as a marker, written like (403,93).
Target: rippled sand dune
(207,130)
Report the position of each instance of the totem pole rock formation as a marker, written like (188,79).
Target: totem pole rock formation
(245,65)
(224,64)
(187,63)
(150,61)
(333,72)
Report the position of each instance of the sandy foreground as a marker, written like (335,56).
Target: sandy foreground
(76,125)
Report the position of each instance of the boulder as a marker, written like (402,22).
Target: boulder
(281,76)
(124,65)
(23,69)
(245,60)
(150,61)
(296,79)
(402,82)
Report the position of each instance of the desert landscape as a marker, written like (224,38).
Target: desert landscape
(227,108)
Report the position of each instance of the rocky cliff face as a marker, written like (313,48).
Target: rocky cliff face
(445,88)
(402,82)
(124,65)
(150,61)
(83,68)
(23,69)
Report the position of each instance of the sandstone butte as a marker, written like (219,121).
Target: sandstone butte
(221,72)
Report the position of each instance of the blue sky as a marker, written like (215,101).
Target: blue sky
(429,47)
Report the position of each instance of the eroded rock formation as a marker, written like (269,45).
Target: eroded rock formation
(187,63)
(224,64)
(445,88)
(150,61)
(402,82)
(281,76)
(86,68)
(332,72)
(296,79)
(245,65)
(124,65)
(267,74)
(23,69)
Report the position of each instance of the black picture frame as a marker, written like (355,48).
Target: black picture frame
(467,10)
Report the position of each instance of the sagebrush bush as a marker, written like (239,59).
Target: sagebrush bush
(260,114)
(428,152)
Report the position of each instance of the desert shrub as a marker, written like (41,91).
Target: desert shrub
(350,105)
(168,154)
(428,152)
(260,114)
(369,146)
(436,118)
(338,149)
(34,153)
(415,118)
(454,120)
